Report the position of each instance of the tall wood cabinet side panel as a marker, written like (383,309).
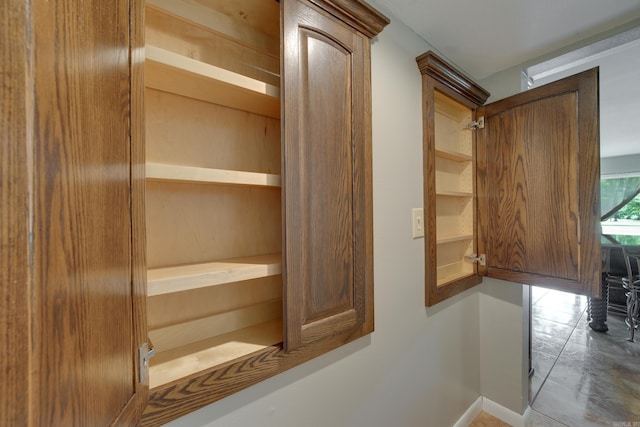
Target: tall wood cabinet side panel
(84,354)
(325,175)
(15,169)
(429,188)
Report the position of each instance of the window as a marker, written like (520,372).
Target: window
(620,207)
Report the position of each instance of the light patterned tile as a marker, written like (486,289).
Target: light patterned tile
(575,409)
(535,383)
(542,362)
(550,313)
(536,419)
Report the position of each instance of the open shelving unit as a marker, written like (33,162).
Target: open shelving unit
(455,186)
(213,202)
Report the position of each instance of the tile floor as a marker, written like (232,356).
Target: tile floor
(581,378)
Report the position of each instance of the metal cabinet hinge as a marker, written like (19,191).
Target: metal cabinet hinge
(476,124)
(482,259)
(144,354)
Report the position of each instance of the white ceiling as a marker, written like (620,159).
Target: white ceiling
(486,36)
(619,98)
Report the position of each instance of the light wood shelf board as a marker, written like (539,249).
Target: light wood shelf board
(452,272)
(174,73)
(183,361)
(453,155)
(171,309)
(165,172)
(448,193)
(198,13)
(453,238)
(181,334)
(190,132)
(181,278)
(182,36)
(452,109)
(197,224)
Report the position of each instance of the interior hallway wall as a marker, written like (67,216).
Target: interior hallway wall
(504,344)
(508,82)
(421,366)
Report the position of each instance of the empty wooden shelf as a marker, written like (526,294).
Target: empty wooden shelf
(174,73)
(181,278)
(162,172)
(181,362)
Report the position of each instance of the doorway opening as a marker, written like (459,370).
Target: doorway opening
(581,371)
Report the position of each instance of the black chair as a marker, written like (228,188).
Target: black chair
(629,283)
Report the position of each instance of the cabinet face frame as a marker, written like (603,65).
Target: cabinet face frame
(579,166)
(440,77)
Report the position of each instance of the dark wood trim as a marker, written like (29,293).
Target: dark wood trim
(432,65)
(357,14)
(135,407)
(429,188)
(437,294)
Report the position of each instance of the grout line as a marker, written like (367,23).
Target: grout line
(547,416)
(533,400)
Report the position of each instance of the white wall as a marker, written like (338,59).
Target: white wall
(508,82)
(504,341)
(421,367)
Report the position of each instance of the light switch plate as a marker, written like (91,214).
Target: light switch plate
(418,222)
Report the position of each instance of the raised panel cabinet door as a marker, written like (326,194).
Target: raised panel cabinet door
(87,293)
(326,176)
(538,186)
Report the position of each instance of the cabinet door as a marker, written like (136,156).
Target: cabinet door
(86,301)
(538,186)
(326,177)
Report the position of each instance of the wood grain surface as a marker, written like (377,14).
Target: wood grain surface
(16,115)
(325,175)
(538,186)
(82,231)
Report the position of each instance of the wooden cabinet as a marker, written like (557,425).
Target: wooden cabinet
(258,190)
(188,175)
(511,188)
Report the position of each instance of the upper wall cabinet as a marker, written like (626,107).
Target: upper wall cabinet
(190,178)
(511,189)
(258,190)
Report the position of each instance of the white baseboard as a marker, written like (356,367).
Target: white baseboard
(505,414)
(470,414)
(493,408)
